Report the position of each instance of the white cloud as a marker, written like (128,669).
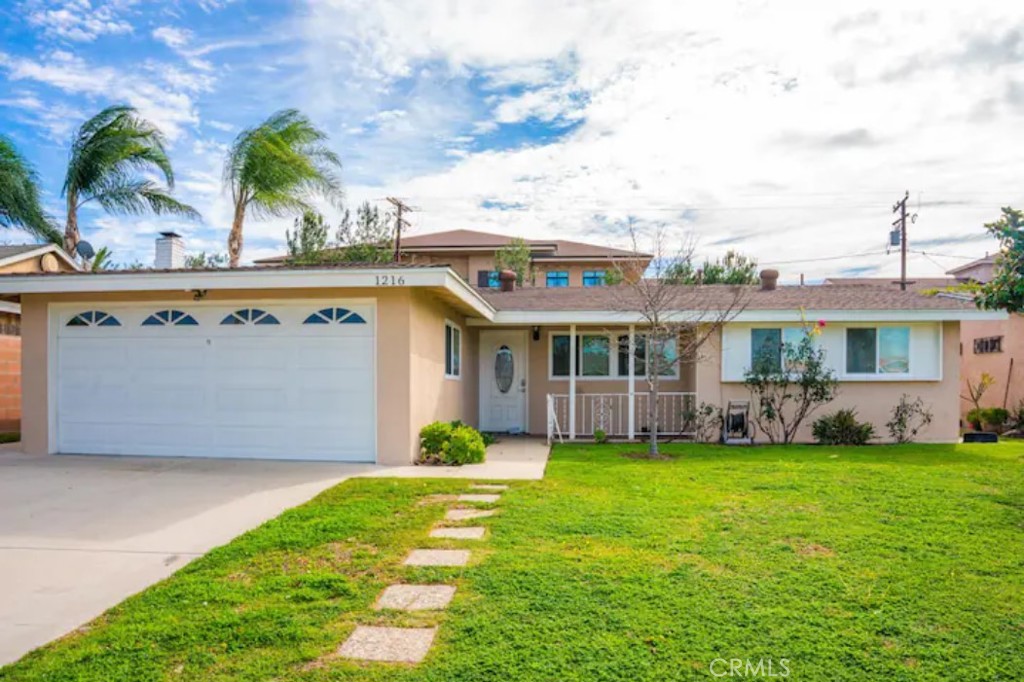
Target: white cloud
(173,37)
(165,100)
(784,129)
(79,20)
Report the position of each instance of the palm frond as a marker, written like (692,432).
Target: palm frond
(279,166)
(115,142)
(19,195)
(127,196)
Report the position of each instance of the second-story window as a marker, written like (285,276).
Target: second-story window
(487,279)
(558,279)
(593,278)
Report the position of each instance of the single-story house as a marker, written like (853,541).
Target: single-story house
(348,362)
(20,258)
(987,346)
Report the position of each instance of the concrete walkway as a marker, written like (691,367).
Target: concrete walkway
(79,534)
(513,458)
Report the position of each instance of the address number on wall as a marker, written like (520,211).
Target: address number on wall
(390,280)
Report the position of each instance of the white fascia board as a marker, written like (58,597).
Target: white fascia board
(7,307)
(552,317)
(468,295)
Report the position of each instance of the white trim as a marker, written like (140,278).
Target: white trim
(448,324)
(632,381)
(622,318)
(846,375)
(8,307)
(42,250)
(572,381)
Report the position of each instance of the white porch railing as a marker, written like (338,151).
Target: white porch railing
(610,413)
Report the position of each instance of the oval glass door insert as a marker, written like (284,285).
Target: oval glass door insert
(504,369)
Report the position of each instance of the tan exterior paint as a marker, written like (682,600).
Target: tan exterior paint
(32,264)
(411,389)
(873,401)
(1008,390)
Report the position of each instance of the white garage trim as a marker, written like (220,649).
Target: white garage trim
(292,314)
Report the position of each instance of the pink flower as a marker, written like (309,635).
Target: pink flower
(821,323)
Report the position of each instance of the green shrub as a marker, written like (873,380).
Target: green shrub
(434,439)
(466,446)
(489,438)
(600,436)
(451,443)
(842,428)
(995,417)
(908,418)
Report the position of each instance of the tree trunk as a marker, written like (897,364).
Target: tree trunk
(235,236)
(71,236)
(652,414)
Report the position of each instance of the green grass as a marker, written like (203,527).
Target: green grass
(10,437)
(878,563)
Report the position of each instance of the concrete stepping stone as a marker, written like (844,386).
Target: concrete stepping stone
(466,533)
(415,597)
(437,557)
(479,498)
(467,514)
(391,645)
(488,486)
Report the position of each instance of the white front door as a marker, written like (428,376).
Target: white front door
(503,381)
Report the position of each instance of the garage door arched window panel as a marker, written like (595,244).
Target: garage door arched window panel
(93,318)
(331,315)
(250,316)
(163,318)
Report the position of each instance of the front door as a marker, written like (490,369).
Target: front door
(503,381)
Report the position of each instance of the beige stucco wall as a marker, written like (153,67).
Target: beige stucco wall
(411,389)
(32,265)
(539,383)
(1007,367)
(872,400)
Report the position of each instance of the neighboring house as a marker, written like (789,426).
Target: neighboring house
(555,262)
(994,347)
(347,363)
(20,258)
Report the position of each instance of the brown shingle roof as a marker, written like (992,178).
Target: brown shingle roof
(830,297)
(543,248)
(913,283)
(456,240)
(8,250)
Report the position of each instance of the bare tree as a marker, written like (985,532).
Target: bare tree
(677,319)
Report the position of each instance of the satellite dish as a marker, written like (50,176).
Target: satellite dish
(85,250)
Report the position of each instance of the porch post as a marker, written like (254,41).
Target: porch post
(632,383)
(572,382)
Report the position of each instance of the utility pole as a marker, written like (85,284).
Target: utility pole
(901,206)
(400,207)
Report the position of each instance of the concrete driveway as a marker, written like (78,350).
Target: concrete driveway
(79,534)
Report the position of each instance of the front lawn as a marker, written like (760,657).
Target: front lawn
(879,563)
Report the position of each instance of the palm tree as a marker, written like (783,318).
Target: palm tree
(275,168)
(110,151)
(19,195)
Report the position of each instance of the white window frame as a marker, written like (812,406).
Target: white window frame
(455,350)
(613,359)
(878,349)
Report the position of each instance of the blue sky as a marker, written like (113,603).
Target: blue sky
(785,129)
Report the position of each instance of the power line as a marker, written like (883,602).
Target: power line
(823,258)
(400,207)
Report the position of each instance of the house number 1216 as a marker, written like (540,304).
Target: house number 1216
(390,280)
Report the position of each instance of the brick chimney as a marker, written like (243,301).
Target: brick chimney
(170,251)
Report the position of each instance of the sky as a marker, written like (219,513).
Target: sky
(783,129)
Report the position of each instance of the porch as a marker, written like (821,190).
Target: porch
(620,415)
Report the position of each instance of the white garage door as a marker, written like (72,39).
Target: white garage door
(291,381)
